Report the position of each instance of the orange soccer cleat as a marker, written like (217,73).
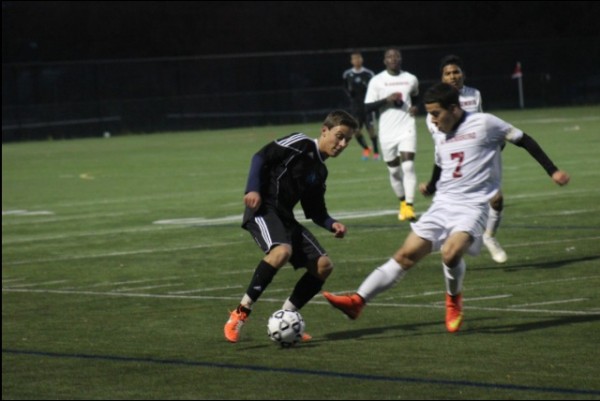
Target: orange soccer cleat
(237,318)
(454,314)
(351,305)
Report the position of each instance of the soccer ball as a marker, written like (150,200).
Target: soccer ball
(285,327)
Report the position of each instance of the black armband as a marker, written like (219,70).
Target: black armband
(415,100)
(435,177)
(375,106)
(534,149)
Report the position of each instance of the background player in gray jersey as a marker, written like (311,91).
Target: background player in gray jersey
(356,80)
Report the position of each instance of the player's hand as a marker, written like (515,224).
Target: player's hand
(253,200)
(338,229)
(413,110)
(423,189)
(395,99)
(561,177)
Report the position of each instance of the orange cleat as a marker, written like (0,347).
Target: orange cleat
(454,314)
(351,305)
(234,325)
(366,153)
(306,337)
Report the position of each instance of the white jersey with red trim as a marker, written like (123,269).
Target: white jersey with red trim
(470,100)
(469,158)
(392,118)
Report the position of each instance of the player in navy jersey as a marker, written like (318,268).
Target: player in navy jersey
(283,173)
(356,80)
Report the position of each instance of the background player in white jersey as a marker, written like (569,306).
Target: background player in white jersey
(467,177)
(452,71)
(356,80)
(393,94)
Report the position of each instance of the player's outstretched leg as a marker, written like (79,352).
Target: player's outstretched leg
(350,304)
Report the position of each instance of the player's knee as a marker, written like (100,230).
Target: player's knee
(324,267)
(497,202)
(451,256)
(279,255)
(405,259)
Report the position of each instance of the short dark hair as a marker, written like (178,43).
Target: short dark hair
(451,59)
(395,48)
(355,51)
(340,117)
(442,93)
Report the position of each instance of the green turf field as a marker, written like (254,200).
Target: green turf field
(121,258)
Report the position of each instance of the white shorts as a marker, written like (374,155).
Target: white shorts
(443,219)
(404,140)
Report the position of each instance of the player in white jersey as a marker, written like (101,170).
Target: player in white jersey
(465,178)
(452,71)
(392,93)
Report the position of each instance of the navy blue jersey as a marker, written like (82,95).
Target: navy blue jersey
(355,85)
(287,171)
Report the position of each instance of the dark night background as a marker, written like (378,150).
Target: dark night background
(80,30)
(79,68)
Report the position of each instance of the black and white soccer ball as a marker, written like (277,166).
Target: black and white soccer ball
(286,327)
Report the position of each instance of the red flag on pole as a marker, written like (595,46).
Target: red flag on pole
(517,73)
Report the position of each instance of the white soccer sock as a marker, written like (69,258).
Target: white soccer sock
(493,222)
(410,180)
(396,181)
(287,305)
(247,301)
(454,277)
(381,279)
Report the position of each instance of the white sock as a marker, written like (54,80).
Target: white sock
(247,301)
(396,181)
(493,222)
(287,305)
(454,277)
(381,279)
(410,180)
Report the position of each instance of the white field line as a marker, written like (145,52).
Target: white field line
(229,287)
(113,254)
(564,301)
(26,213)
(10,280)
(556,120)
(39,284)
(106,283)
(201,221)
(530,283)
(271,300)
(233,272)
(54,237)
(150,287)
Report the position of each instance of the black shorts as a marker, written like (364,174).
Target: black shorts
(269,230)
(361,115)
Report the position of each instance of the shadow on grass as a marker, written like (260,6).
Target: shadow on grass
(532,325)
(407,329)
(472,326)
(555,264)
